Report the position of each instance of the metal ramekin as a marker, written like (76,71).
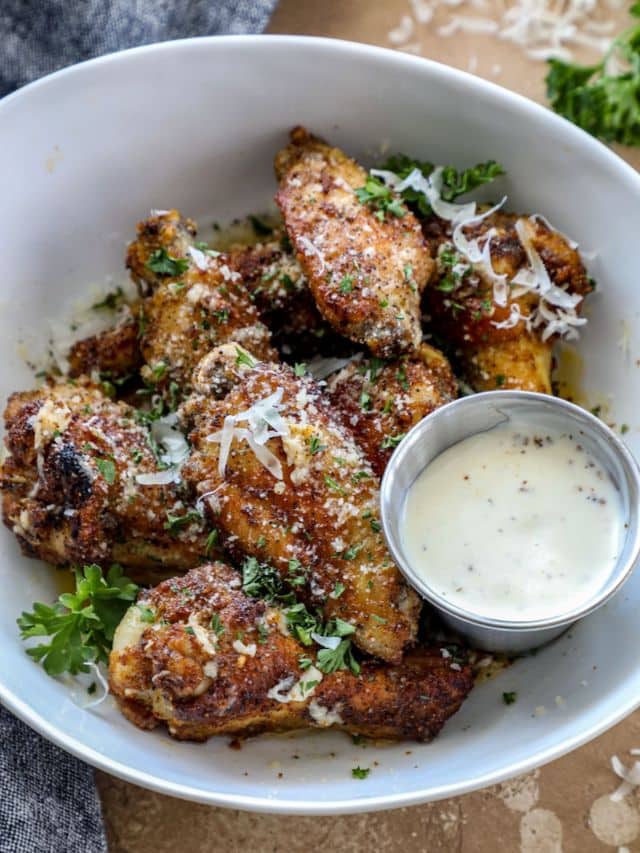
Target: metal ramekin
(477,413)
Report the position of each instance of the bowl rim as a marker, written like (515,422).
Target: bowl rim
(532,400)
(390,58)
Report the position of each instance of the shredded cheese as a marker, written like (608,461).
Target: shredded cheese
(290,690)
(263,423)
(542,29)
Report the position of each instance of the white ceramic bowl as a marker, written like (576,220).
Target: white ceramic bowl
(195,124)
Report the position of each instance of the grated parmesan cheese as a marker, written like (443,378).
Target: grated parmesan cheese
(263,422)
(296,691)
(542,29)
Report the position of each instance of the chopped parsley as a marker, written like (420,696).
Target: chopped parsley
(107,468)
(346,285)
(360,772)
(175,523)
(510,697)
(300,368)
(212,540)
(315,446)
(243,358)
(216,625)
(162,263)
(376,195)
(334,485)
(392,441)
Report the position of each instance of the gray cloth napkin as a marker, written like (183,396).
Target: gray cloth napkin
(48,799)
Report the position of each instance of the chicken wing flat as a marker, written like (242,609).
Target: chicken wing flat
(285,482)
(196,301)
(506,342)
(70,489)
(379,401)
(365,268)
(200,656)
(114,353)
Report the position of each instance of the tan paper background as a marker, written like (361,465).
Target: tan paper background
(562,808)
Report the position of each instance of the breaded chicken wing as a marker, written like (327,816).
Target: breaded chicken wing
(70,491)
(379,401)
(285,482)
(507,342)
(195,302)
(201,657)
(365,268)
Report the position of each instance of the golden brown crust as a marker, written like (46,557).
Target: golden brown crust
(380,401)
(114,352)
(188,313)
(195,676)
(365,273)
(463,312)
(319,525)
(69,487)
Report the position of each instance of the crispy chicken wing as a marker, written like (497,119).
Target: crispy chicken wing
(177,660)
(379,401)
(70,491)
(506,345)
(365,270)
(195,301)
(285,482)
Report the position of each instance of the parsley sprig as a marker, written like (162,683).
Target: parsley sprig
(81,624)
(162,263)
(380,198)
(604,103)
(454,183)
(261,580)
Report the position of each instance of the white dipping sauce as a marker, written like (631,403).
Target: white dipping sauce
(518,522)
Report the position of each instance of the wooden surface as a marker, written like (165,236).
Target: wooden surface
(562,808)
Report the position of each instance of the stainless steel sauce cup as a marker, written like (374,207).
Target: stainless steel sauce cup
(477,413)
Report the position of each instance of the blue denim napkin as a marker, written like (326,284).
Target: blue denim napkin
(48,799)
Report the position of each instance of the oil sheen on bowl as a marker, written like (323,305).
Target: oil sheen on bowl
(519,517)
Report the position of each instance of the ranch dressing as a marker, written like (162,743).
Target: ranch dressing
(519,522)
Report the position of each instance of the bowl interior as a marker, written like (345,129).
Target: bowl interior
(195,125)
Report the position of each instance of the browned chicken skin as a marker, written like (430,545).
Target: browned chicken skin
(273,277)
(70,492)
(194,302)
(463,311)
(365,271)
(182,665)
(114,353)
(318,523)
(380,401)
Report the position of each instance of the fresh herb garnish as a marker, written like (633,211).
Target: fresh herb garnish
(81,624)
(454,183)
(107,468)
(315,446)
(510,697)
(216,625)
(162,263)
(603,99)
(392,441)
(300,369)
(212,540)
(175,523)
(243,358)
(346,285)
(380,198)
(360,772)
